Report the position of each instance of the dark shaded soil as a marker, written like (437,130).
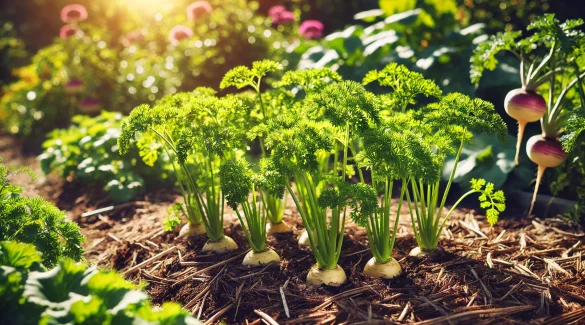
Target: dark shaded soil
(522,271)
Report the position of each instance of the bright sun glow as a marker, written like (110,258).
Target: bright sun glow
(146,4)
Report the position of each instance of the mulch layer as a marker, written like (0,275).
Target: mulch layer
(521,271)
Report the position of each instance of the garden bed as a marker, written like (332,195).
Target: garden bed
(530,272)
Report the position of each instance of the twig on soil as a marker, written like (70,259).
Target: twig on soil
(284,303)
(404,312)
(488,293)
(149,261)
(210,268)
(348,293)
(490,311)
(113,237)
(266,317)
(218,314)
(112,208)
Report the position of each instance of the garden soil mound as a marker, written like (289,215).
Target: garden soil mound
(521,271)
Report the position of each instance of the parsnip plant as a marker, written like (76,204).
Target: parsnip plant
(334,115)
(243,77)
(441,127)
(238,183)
(198,131)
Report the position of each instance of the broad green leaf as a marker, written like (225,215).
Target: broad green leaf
(391,7)
(19,255)
(369,15)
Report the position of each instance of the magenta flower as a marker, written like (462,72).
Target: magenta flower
(285,17)
(73,13)
(89,105)
(73,87)
(276,10)
(280,15)
(68,31)
(311,29)
(179,33)
(198,9)
(132,38)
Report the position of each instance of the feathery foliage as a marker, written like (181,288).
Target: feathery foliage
(198,131)
(406,85)
(574,133)
(241,77)
(484,56)
(238,183)
(310,80)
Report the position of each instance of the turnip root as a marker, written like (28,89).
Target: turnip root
(525,106)
(419,252)
(545,152)
(304,239)
(277,228)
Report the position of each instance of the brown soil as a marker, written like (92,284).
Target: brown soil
(522,271)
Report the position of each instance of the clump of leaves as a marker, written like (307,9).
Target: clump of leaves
(197,131)
(88,152)
(36,221)
(70,293)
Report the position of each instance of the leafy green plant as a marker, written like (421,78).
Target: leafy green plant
(552,53)
(70,293)
(197,131)
(88,152)
(242,77)
(237,183)
(488,158)
(569,176)
(425,36)
(436,128)
(334,116)
(36,221)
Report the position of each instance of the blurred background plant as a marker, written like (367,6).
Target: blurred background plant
(126,53)
(87,153)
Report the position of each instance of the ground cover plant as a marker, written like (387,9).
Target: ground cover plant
(87,153)
(36,221)
(71,293)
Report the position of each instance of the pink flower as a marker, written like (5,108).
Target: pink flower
(311,29)
(285,17)
(132,38)
(90,105)
(68,31)
(280,15)
(73,13)
(73,87)
(179,33)
(198,9)
(276,10)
